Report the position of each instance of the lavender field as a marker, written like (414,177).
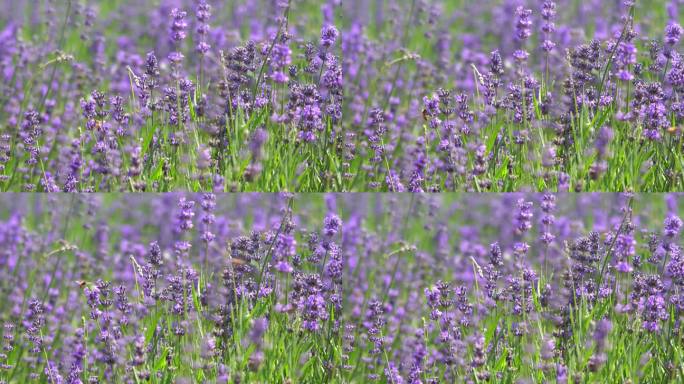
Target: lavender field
(518,288)
(235,171)
(331,95)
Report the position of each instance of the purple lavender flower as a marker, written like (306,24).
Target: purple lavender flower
(203,13)
(208,204)
(649,104)
(329,35)
(259,328)
(185,214)
(496,65)
(672,226)
(561,374)
(282,58)
(673,33)
(284,267)
(30,134)
(523,27)
(548,13)
(178,26)
(177,34)
(625,56)
(185,224)
(523,216)
(331,224)
(548,219)
(154,254)
(314,310)
(523,31)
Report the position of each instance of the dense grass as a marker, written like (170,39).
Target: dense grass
(580,317)
(390,55)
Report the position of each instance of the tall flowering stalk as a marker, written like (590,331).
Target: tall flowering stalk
(547,221)
(203,13)
(178,33)
(185,225)
(523,31)
(548,12)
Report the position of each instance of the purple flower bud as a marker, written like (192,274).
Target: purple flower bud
(331,224)
(672,226)
(523,26)
(673,33)
(329,35)
(178,25)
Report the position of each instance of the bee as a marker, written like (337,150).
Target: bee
(81,283)
(231,260)
(673,129)
(235,261)
(426,117)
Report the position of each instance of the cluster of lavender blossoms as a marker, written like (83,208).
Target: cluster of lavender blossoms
(113,310)
(232,96)
(340,288)
(109,101)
